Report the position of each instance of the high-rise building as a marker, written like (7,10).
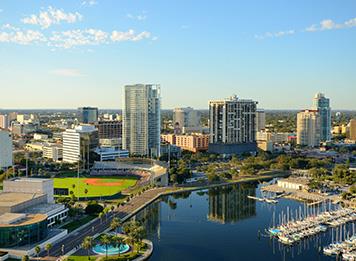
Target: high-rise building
(322,104)
(79,143)
(142,119)
(308,128)
(186,120)
(4,122)
(352,130)
(260,120)
(232,126)
(88,115)
(5,149)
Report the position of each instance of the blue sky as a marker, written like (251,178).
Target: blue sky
(66,54)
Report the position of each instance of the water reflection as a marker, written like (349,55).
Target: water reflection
(230,204)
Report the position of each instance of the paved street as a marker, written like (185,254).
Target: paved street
(99,226)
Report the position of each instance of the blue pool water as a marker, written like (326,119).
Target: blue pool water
(112,250)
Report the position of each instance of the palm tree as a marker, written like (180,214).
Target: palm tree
(106,240)
(115,224)
(25,258)
(87,244)
(86,192)
(118,241)
(101,214)
(48,248)
(37,250)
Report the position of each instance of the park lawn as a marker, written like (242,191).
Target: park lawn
(96,186)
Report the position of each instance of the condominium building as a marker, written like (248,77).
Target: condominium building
(352,130)
(322,104)
(260,120)
(186,120)
(78,144)
(192,142)
(88,115)
(142,119)
(308,128)
(5,149)
(232,126)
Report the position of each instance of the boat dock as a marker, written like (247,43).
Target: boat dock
(267,200)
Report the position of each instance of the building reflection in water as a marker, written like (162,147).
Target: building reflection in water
(230,204)
(150,219)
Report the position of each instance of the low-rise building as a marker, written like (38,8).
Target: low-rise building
(193,142)
(107,153)
(53,152)
(294,183)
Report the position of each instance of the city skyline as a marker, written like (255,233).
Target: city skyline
(66,55)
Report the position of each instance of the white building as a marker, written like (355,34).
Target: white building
(53,152)
(40,136)
(5,149)
(308,128)
(142,119)
(106,153)
(186,120)
(78,143)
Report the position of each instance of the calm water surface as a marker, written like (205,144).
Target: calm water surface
(222,224)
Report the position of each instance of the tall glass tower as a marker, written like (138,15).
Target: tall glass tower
(142,119)
(322,104)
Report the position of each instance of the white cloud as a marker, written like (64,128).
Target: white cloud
(140,17)
(22,37)
(9,27)
(129,35)
(52,16)
(72,38)
(274,34)
(329,24)
(67,72)
(89,3)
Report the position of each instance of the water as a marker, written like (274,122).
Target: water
(223,224)
(112,250)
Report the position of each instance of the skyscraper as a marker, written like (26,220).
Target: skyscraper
(352,130)
(186,120)
(322,104)
(308,128)
(88,115)
(4,122)
(142,119)
(232,126)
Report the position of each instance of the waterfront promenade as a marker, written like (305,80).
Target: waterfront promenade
(73,240)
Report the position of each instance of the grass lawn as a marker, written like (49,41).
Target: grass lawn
(96,186)
(78,223)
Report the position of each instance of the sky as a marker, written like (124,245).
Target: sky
(69,53)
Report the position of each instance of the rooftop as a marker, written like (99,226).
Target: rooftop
(28,180)
(14,220)
(9,199)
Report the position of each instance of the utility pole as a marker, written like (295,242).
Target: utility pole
(26,154)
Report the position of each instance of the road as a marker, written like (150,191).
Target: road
(99,226)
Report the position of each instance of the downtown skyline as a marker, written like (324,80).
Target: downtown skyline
(82,53)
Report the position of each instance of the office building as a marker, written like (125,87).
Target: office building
(142,119)
(5,149)
(88,115)
(186,120)
(232,126)
(4,122)
(109,129)
(322,104)
(260,120)
(352,130)
(79,143)
(53,152)
(308,128)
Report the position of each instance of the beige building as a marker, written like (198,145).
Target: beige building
(194,142)
(53,152)
(294,183)
(352,130)
(308,128)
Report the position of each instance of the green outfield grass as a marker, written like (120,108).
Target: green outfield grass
(96,186)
